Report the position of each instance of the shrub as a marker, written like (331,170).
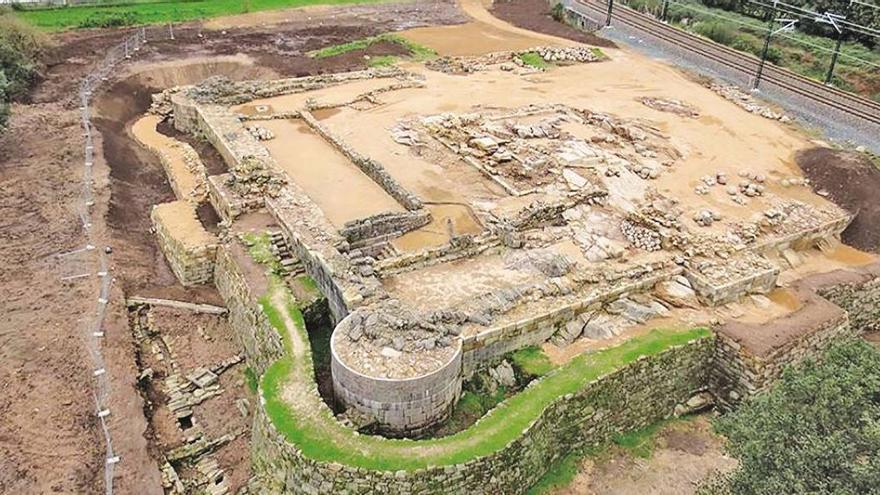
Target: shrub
(109,20)
(558,12)
(816,431)
(716,31)
(21,46)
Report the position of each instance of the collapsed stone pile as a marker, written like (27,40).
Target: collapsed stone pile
(251,177)
(746,102)
(640,237)
(260,133)
(397,328)
(577,54)
(668,105)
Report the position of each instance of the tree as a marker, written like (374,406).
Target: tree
(21,46)
(816,431)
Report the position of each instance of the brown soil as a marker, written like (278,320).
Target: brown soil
(685,453)
(49,438)
(852,181)
(534,15)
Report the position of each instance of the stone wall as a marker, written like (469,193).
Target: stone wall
(634,396)
(731,284)
(834,305)
(487,346)
(260,341)
(320,257)
(373,169)
(226,203)
(390,225)
(188,247)
(402,407)
(859,296)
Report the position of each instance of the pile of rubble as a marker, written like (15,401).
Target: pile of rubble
(397,328)
(260,133)
(706,217)
(513,61)
(577,54)
(641,237)
(668,105)
(746,102)
(252,178)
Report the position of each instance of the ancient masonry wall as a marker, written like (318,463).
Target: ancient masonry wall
(226,203)
(188,247)
(322,261)
(834,305)
(634,396)
(712,293)
(404,407)
(860,298)
(384,226)
(261,342)
(493,343)
(739,373)
(373,169)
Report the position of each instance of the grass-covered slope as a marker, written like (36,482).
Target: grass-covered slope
(134,12)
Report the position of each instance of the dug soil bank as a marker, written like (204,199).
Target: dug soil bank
(852,181)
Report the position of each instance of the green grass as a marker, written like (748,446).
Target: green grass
(252,380)
(321,438)
(153,12)
(640,443)
(532,361)
(560,474)
(417,52)
(259,246)
(533,59)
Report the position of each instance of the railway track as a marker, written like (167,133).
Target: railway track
(829,96)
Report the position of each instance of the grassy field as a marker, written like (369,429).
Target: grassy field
(147,12)
(805,54)
(417,52)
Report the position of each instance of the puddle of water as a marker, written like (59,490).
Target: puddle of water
(436,233)
(336,185)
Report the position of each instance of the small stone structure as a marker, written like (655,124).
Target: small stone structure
(188,247)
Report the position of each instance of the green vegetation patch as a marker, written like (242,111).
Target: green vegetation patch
(816,431)
(321,438)
(259,246)
(560,474)
(532,361)
(534,59)
(417,52)
(131,12)
(21,47)
(252,380)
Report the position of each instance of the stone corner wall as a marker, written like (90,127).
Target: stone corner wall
(189,249)
(835,305)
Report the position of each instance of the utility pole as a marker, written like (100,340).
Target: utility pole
(610,9)
(831,17)
(772,19)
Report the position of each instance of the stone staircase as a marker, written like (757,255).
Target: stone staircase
(291,266)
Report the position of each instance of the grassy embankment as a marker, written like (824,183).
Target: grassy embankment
(134,12)
(417,52)
(802,53)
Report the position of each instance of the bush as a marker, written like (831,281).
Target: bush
(109,20)
(716,31)
(21,46)
(558,12)
(816,431)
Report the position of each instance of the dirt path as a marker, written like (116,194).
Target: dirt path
(684,455)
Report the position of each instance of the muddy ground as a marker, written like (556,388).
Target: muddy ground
(49,441)
(534,15)
(851,180)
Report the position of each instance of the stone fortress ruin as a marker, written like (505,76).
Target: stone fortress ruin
(456,211)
